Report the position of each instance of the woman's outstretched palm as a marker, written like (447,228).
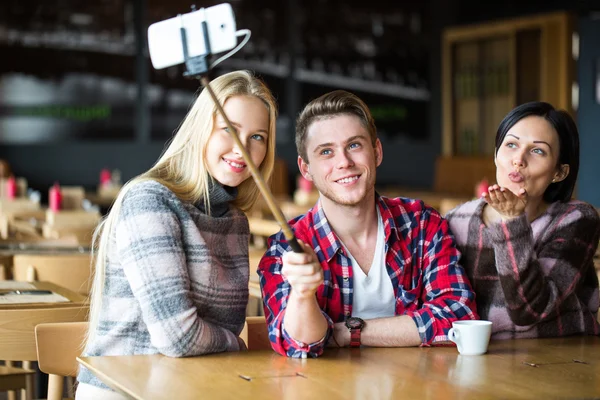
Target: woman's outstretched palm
(505,202)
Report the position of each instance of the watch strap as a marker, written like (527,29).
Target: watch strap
(355,337)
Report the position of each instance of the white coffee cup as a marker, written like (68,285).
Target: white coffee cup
(471,337)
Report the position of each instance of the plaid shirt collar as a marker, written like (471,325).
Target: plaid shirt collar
(327,239)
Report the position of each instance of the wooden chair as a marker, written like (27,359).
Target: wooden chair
(263,227)
(17,333)
(58,345)
(79,223)
(459,175)
(279,179)
(72,197)
(6,261)
(255,306)
(71,271)
(22,224)
(83,236)
(448,204)
(13,378)
(255,334)
(260,230)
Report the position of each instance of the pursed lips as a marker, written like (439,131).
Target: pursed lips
(516,177)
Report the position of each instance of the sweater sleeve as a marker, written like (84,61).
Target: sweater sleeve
(149,247)
(537,278)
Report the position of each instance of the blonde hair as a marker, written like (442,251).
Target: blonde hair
(182,168)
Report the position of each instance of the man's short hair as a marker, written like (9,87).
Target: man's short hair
(329,105)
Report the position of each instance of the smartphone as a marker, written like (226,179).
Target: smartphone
(164,37)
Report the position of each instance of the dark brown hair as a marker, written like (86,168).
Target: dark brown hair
(338,102)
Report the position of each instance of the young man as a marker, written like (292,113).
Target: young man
(375,271)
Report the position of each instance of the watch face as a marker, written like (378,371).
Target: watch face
(354,323)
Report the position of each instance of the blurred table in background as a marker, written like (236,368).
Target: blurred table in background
(16,216)
(66,297)
(22,224)
(8,249)
(104,197)
(78,223)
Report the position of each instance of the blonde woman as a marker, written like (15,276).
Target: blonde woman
(172,259)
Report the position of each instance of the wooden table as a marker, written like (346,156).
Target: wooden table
(75,298)
(104,202)
(48,246)
(411,373)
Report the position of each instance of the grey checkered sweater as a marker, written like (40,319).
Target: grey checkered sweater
(176,278)
(532,280)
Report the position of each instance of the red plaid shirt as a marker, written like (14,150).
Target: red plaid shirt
(421,260)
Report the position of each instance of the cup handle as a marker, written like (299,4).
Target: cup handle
(453,335)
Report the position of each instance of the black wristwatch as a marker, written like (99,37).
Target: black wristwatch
(355,326)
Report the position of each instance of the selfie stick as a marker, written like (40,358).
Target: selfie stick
(197,67)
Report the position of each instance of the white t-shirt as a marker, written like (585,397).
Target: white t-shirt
(373,293)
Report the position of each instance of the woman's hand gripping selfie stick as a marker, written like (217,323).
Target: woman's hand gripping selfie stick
(198,67)
(264,190)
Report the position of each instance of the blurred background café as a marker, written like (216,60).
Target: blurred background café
(80,101)
(82,111)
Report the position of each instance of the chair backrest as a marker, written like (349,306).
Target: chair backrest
(82,236)
(6,261)
(17,328)
(447,204)
(279,179)
(255,334)
(459,175)
(254,256)
(263,227)
(71,271)
(72,197)
(58,344)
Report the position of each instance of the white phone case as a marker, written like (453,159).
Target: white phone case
(164,37)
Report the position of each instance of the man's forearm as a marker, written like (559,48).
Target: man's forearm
(400,331)
(303,319)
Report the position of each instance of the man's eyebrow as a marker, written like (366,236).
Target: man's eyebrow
(353,138)
(322,145)
(350,139)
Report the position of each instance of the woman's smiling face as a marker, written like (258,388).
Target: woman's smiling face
(250,117)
